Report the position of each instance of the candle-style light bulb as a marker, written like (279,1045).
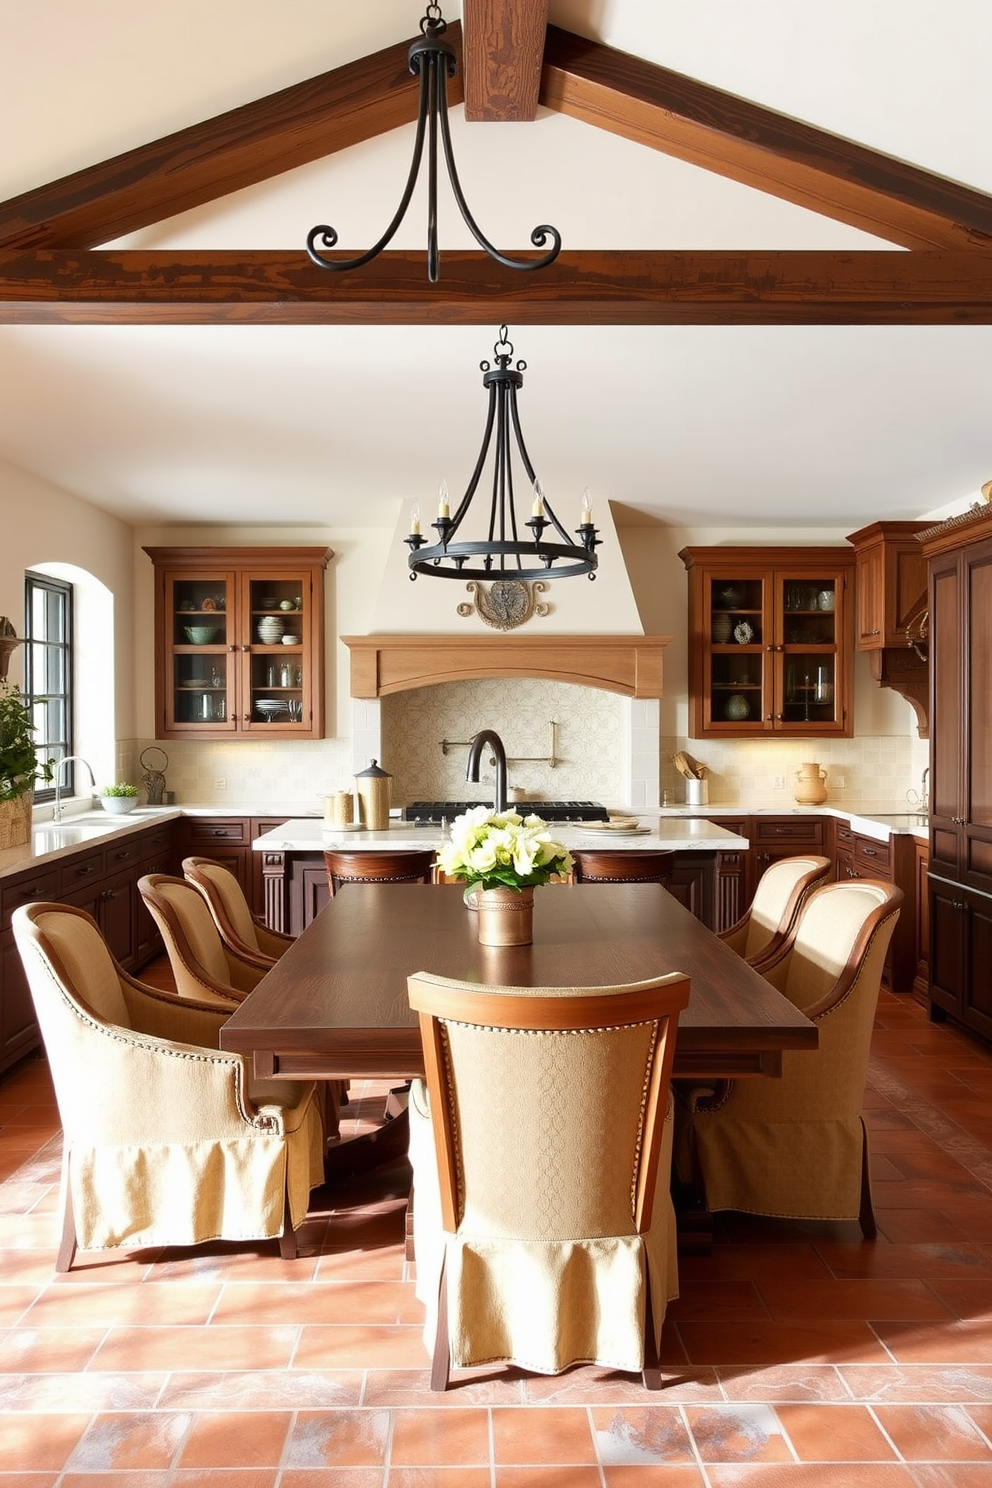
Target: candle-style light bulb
(586,508)
(415,519)
(443,509)
(537,510)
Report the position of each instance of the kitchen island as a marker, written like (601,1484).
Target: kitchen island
(295,878)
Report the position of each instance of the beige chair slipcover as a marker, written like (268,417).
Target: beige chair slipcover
(243,932)
(774,911)
(166,1139)
(541,1149)
(797,1147)
(202,965)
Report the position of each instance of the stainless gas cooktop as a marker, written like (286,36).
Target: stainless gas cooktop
(432,812)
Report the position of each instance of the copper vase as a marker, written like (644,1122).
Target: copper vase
(506,917)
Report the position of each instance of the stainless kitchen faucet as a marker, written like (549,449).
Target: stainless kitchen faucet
(65,760)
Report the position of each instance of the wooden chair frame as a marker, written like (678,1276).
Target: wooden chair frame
(781,936)
(271,943)
(594,866)
(410,865)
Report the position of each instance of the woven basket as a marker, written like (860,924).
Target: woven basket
(15,821)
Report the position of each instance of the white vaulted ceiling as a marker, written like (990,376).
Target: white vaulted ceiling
(336,424)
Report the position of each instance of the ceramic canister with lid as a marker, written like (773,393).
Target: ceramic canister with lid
(374,788)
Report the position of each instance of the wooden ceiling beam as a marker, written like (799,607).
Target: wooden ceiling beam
(595,288)
(298,125)
(502,53)
(758,147)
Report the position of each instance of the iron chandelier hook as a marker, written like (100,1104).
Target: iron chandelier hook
(434,60)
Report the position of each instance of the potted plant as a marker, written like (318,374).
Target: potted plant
(20,767)
(119,799)
(502,857)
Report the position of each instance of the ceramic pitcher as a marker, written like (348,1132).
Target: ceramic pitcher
(811,788)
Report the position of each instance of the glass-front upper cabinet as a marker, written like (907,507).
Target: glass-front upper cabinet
(770,641)
(239,641)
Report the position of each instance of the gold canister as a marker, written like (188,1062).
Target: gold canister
(339,809)
(373,791)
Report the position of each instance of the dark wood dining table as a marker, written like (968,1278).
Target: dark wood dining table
(335,1004)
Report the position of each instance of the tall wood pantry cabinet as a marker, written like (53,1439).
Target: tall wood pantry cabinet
(770,642)
(239,642)
(959,556)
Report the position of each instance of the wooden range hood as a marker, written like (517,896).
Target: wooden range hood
(628,664)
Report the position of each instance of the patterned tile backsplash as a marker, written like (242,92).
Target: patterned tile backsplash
(604,746)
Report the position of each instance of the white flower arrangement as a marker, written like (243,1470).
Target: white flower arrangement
(491,850)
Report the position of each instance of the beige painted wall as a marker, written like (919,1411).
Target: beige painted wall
(43,524)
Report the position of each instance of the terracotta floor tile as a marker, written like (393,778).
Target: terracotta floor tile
(741,1432)
(865,1297)
(591,1385)
(642,1436)
(812,1475)
(29,1442)
(331,1477)
(752,1262)
(918,1382)
(317,1302)
(780,1343)
(966,1342)
(42,1350)
(834,1433)
(924,1261)
(104,1304)
(966,1299)
(960,1475)
(265,1390)
(236,1439)
(361,1346)
(411,1387)
(982,1417)
(14,1302)
(920,1226)
(130,1441)
(196,1348)
(142,1478)
(547,1477)
(666,1476)
(438,1477)
(785,1382)
(735,1301)
(549,1435)
(338,1438)
(450,1438)
(929,1433)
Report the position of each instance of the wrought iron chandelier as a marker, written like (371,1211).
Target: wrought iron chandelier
(504,553)
(434,60)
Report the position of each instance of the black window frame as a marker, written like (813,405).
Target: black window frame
(59,604)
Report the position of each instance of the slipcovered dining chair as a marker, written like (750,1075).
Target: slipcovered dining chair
(400,866)
(202,963)
(166,1140)
(797,1147)
(543,1223)
(783,888)
(244,933)
(623,867)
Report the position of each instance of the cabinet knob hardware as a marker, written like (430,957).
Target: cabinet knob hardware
(246,717)
(768,648)
(246,648)
(779,648)
(232,648)
(869,852)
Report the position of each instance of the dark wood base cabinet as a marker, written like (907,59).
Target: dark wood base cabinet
(961,955)
(101,880)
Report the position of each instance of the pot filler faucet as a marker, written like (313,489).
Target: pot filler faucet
(481,739)
(65,760)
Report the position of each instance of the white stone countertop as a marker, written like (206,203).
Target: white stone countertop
(674,828)
(304,834)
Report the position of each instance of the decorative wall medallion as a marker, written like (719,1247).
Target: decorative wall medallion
(506,604)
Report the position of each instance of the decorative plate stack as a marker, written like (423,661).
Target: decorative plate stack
(270,629)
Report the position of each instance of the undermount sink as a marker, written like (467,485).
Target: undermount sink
(51,835)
